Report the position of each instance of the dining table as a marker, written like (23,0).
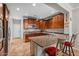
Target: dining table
(39,43)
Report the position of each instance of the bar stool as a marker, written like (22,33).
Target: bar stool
(60,41)
(51,51)
(68,45)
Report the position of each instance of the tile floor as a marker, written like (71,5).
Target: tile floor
(20,48)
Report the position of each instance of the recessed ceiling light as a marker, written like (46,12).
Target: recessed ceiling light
(34,4)
(18,9)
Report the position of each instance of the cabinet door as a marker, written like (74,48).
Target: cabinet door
(44,25)
(37,24)
(30,21)
(41,24)
(61,21)
(25,23)
(57,21)
(49,24)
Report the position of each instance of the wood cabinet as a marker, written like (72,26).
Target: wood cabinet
(28,22)
(37,22)
(56,21)
(25,23)
(42,24)
(48,23)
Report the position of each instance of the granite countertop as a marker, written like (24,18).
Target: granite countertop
(49,31)
(31,31)
(47,40)
(44,41)
(55,32)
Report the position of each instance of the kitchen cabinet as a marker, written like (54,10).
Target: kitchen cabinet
(25,23)
(41,24)
(28,23)
(48,24)
(44,24)
(57,21)
(37,22)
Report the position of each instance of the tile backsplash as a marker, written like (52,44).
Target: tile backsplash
(55,30)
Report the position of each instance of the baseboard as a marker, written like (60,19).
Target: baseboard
(75,48)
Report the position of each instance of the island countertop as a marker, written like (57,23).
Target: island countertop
(44,41)
(47,40)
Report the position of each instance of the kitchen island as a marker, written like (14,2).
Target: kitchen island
(39,43)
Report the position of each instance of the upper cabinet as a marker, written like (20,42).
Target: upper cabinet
(55,22)
(42,24)
(37,23)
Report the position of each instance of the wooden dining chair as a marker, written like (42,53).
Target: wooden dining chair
(61,40)
(68,45)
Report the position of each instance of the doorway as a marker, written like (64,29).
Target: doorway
(17,29)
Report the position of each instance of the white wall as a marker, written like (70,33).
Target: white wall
(75,21)
(75,25)
(11,26)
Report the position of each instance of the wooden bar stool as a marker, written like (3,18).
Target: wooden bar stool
(60,41)
(68,45)
(51,51)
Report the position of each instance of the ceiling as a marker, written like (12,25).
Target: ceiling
(39,10)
